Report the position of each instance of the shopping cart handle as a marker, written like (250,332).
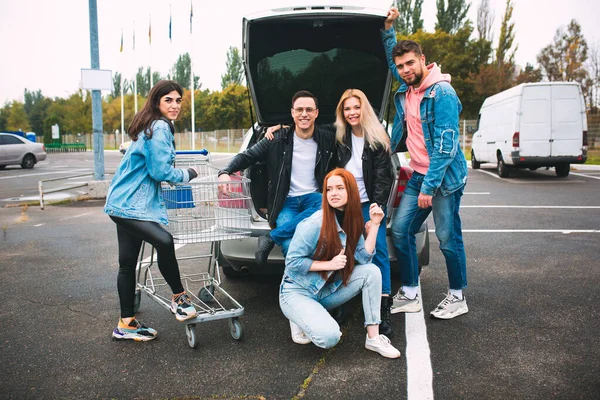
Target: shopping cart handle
(202,152)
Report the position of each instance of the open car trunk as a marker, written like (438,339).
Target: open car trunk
(324,50)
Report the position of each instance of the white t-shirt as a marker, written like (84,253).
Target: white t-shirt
(355,166)
(304,159)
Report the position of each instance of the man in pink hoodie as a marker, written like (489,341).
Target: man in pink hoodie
(426,124)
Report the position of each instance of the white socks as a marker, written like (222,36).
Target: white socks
(410,291)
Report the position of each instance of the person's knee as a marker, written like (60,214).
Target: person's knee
(327,339)
(164,241)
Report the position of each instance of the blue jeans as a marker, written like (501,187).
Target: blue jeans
(381,257)
(295,209)
(409,218)
(309,310)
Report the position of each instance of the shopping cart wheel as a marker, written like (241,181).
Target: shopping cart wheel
(137,300)
(236,328)
(206,294)
(190,332)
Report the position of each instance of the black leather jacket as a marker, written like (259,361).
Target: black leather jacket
(377,168)
(277,153)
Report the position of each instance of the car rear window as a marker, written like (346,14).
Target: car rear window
(323,55)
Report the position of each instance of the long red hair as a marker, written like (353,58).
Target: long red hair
(329,244)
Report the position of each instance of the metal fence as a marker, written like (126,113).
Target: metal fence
(229,140)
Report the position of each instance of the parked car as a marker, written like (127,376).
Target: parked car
(16,150)
(532,125)
(325,50)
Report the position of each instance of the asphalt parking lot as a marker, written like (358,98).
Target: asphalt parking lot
(532,331)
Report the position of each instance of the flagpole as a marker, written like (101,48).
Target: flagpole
(170,43)
(192,78)
(150,43)
(135,101)
(122,100)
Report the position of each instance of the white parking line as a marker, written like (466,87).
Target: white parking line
(566,231)
(543,207)
(585,175)
(418,358)
(476,193)
(44,173)
(76,216)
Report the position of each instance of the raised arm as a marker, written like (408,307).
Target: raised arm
(388,37)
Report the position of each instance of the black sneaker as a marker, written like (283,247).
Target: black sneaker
(265,245)
(385,328)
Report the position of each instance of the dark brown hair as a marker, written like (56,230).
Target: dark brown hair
(304,93)
(406,46)
(142,121)
(329,244)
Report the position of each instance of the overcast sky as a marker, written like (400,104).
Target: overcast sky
(44,44)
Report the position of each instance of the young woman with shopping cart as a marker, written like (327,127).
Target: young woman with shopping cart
(134,203)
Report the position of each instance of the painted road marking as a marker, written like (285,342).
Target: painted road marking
(418,357)
(76,216)
(585,175)
(541,207)
(566,231)
(44,173)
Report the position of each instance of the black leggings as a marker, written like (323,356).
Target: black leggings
(130,234)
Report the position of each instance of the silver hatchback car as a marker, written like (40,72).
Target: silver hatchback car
(325,50)
(16,150)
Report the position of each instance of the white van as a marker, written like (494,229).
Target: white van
(532,125)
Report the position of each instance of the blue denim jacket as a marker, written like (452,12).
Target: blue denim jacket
(439,112)
(302,250)
(135,189)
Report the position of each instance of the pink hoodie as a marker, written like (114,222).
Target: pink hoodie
(419,159)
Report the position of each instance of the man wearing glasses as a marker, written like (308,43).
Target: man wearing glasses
(298,158)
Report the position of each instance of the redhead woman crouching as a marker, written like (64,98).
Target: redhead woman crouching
(328,263)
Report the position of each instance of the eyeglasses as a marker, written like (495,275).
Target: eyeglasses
(301,110)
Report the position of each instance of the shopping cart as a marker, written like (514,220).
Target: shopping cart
(198,213)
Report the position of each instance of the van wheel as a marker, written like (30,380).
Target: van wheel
(503,170)
(474,163)
(562,170)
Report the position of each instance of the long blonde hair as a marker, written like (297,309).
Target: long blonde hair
(374,133)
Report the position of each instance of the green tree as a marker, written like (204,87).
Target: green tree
(17,118)
(182,72)
(529,74)
(234,69)
(36,107)
(485,21)
(504,54)
(564,59)
(4,113)
(451,18)
(593,67)
(116,92)
(410,20)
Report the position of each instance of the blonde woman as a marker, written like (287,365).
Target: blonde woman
(363,148)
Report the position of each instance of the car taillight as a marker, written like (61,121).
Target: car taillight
(43,148)
(516,139)
(585,140)
(404,175)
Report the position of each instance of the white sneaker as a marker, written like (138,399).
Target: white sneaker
(450,307)
(401,303)
(298,335)
(382,345)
